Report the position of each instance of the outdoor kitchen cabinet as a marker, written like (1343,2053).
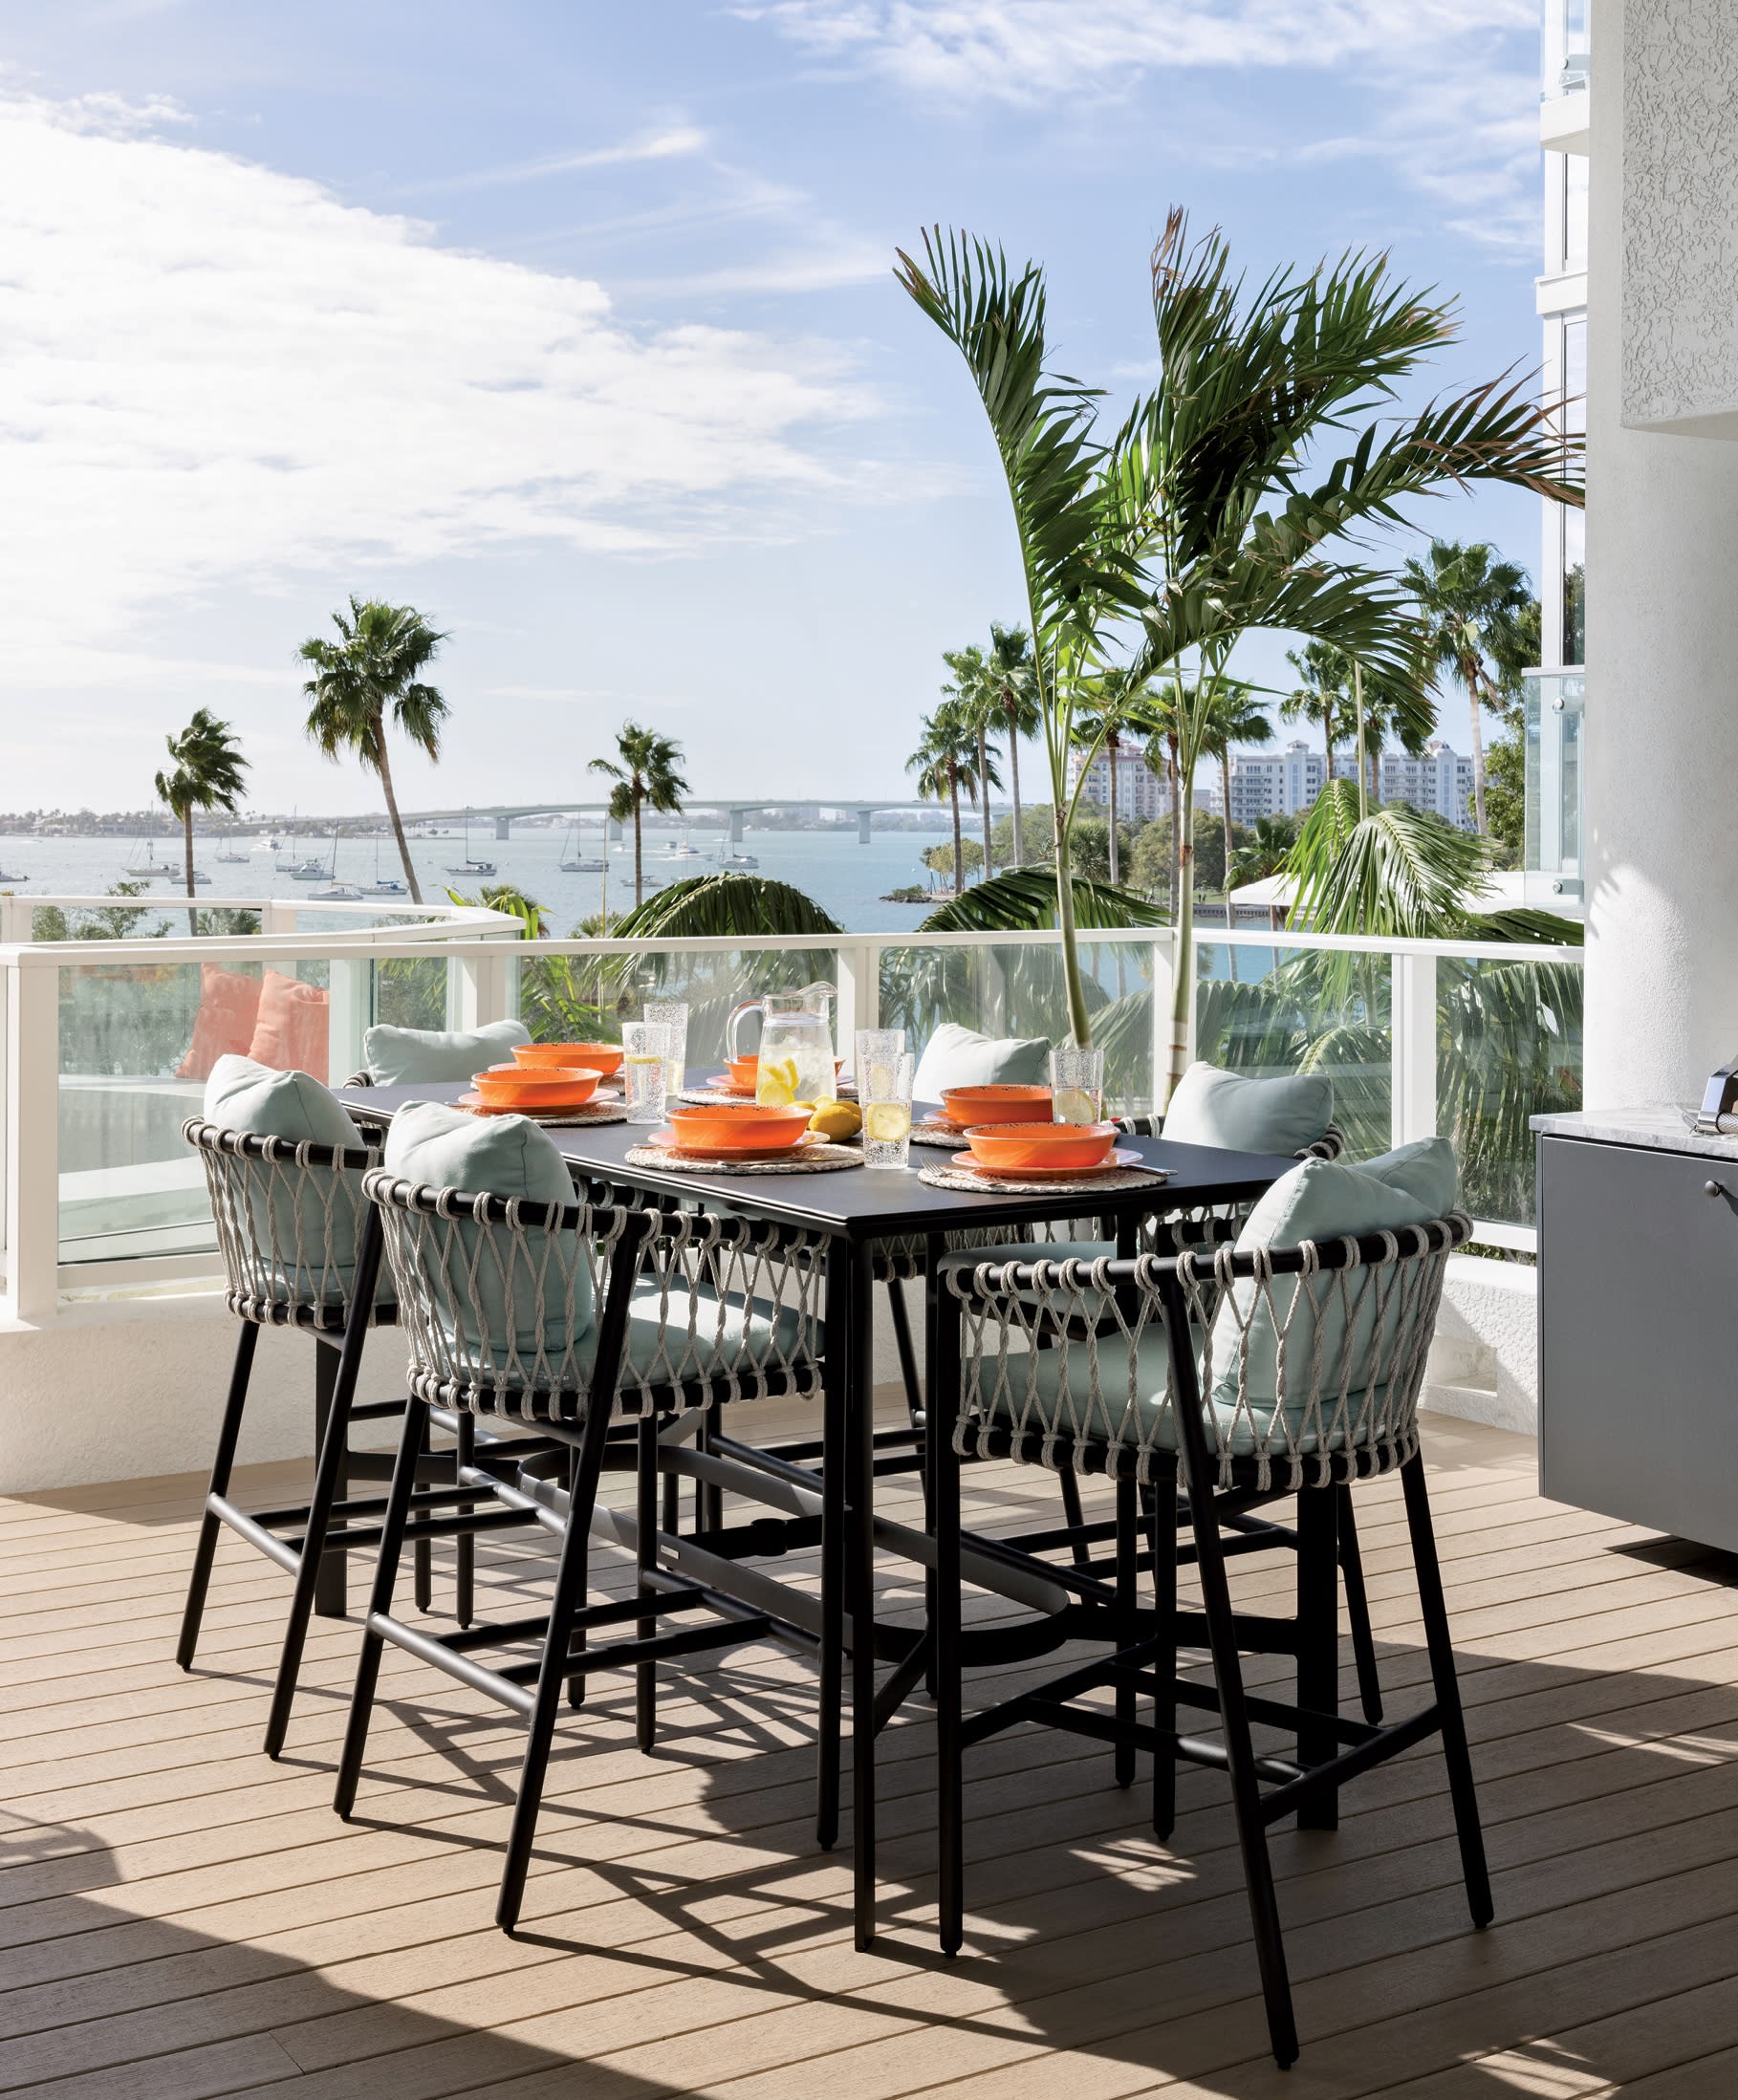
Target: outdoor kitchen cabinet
(1639,1322)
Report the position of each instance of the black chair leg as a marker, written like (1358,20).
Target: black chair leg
(422,1553)
(950,1812)
(575,1686)
(386,1576)
(222,1466)
(645,1554)
(465,1571)
(571,1577)
(1358,1608)
(1128,1549)
(1163,1523)
(330,1592)
(1073,1516)
(1317,1642)
(901,1335)
(1455,1752)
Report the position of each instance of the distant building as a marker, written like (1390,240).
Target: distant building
(1440,780)
(1140,793)
(1275,784)
(1286,783)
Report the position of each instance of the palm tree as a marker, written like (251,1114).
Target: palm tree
(367,679)
(943,762)
(207,776)
(1476,611)
(1323,696)
(1010,666)
(646,777)
(1116,714)
(1267,854)
(1234,716)
(976,692)
(1196,520)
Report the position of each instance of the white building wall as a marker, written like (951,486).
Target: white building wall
(1140,793)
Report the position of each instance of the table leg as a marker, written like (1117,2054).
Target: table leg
(831,1688)
(859,1546)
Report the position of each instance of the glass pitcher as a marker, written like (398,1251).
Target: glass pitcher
(795,1045)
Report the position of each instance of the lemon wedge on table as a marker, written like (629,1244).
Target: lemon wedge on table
(888,1121)
(837,1120)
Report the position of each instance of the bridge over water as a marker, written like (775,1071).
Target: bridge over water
(730,809)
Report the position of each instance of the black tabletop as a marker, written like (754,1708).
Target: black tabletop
(877,1203)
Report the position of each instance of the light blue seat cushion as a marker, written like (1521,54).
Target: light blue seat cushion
(415,1057)
(959,1057)
(305,1221)
(1237,1114)
(728,1337)
(488,1267)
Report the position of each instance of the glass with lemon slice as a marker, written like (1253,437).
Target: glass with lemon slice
(1077,1084)
(884,1071)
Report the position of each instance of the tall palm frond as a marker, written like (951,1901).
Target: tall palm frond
(1024,901)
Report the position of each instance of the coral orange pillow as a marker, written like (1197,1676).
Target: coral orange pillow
(229,1008)
(292,1031)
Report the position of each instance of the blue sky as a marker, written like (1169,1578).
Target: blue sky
(572,324)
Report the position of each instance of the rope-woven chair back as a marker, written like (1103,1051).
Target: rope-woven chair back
(1309,1360)
(290,1219)
(502,1300)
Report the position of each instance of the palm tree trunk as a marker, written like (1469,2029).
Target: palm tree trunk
(1110,752)
(1171,774)
(392,810)
(1470,678)
(984,799)
(639,862)
(1183,984)
(1014,776)
(1225,782)
(959,848)
(1077,1023)
(187,832)
(1357,700)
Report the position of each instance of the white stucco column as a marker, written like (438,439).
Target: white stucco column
(1663,550)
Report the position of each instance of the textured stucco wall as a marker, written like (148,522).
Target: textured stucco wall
(1680,210)
(1662,676)
(1484,1362)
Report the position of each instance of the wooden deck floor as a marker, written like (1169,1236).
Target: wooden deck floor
(181,1918)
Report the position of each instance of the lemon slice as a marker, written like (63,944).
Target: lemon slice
(773,1091)
(1074,1105)
(886,1122)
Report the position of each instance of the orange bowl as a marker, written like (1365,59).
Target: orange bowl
(965,1106)
(1064,1145)
(737,1126)
(541,1087)
(603,1058)
(744,1072)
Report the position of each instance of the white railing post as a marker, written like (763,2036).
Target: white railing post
(482,989)
(350,1016)
(1164,979)
(277,915)
(33,1142)
(1412,1010)
(860,997)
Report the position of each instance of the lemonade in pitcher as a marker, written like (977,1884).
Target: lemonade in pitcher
(796,1047)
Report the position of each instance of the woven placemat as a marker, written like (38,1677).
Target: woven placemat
(938,1133)
(1089,1185)
(592,1113)
(813,1159)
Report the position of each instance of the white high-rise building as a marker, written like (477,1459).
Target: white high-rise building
(1440,780)
(1275,783)
(1140,793)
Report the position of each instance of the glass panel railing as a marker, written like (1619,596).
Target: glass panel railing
(1509,1048)
(1007,989)
(1269,1010)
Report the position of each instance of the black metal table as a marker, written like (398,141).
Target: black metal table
(855,1208)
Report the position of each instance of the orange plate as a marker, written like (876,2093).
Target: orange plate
(733,1155)
(731,1126)
(603,1057)
(1025,1145)
(722,1082)
(541,1087)
(963,1106)
(477,1106)
(992,1175)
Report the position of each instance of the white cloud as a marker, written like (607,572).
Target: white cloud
(216,374)
(1031,50)
(658,145)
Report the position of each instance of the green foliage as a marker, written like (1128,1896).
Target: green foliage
(1024,900)
(1505,798)
(941,857)
(645,779)
(105,922)
(705,906)
(1088,840)
(1149,865)
(1399,871)
(1265,852)
(502,896)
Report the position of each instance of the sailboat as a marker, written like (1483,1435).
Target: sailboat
(574,865)
(467,866)
(684,850)
(234,859)
(150,867)
(383,885)
(288,866)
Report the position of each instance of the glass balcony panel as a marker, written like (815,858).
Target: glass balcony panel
(1508,1047)
(1005,989)
(1272,1010)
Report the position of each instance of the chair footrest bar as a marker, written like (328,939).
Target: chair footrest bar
(622,1655)
(892,1694)
(427,1649)
(504,1632)
(371,1411)
(1383,1744)
(288,1557)
(1256,1636)
(1273,1713)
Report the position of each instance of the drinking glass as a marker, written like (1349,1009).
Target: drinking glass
(671,1014)
(1077,1084)
(645,1064)
(884,1071)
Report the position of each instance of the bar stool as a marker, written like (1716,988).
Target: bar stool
(1109,1368)
(496,1299)
(292,1227)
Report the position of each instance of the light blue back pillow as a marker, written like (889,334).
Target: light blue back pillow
(423,1057)
(496,1156)
(311,1224)
(1237,1114)
(960,1057)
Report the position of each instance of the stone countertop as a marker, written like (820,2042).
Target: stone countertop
(1657,1127)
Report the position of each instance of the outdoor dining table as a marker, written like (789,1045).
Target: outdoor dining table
(853,1208)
